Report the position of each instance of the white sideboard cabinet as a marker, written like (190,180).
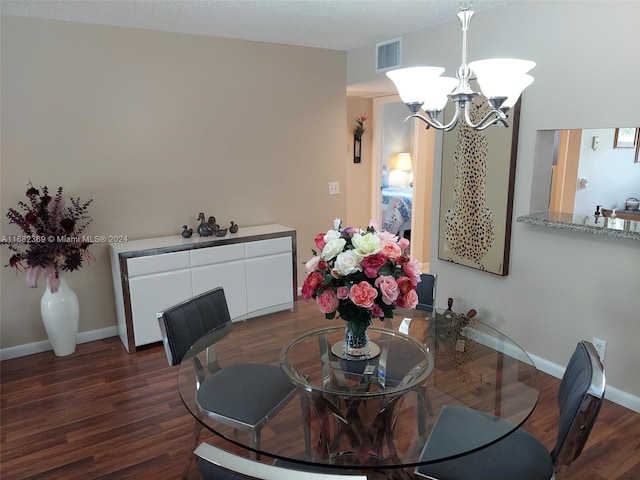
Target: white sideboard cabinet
(256,267)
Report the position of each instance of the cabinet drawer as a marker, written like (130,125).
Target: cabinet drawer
(212,255)
(267,247)
(152,294)
(164,262)
(269,281)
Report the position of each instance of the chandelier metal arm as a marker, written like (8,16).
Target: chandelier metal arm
(432,121)
(498,117)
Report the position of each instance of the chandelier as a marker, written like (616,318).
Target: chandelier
(501,81)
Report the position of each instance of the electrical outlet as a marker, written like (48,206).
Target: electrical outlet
(601,347)
(334,188)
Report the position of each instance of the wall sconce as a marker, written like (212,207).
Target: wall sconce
(358,131)
(357,149)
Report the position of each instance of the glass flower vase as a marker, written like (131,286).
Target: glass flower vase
(356,340)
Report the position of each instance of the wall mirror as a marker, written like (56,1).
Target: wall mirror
(589,168)
(582,182)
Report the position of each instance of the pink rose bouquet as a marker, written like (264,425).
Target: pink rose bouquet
(361,275)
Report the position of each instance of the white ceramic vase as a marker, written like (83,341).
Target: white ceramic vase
(61,316)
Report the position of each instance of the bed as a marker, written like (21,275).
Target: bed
(396,209)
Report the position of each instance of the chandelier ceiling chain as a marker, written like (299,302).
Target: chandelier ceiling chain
(501,81)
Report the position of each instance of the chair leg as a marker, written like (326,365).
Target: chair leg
(197,428)
(427,401)
(423,403)
(254,442)
(305,405)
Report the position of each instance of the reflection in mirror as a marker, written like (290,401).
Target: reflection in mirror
(589,171)
(583,184)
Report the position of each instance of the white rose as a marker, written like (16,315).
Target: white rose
(337,223)
(311,264)
(333,248)
(366,244)
(347,263)
(331,235)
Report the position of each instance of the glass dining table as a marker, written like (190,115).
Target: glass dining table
(374,412)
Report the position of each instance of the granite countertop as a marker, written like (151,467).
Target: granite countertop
(609,227)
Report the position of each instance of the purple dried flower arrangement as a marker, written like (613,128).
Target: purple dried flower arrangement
(51,238)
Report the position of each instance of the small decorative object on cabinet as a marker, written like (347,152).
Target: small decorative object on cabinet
(220,232)
(203,229)
(211,223)
(51,241)
(152,274)
(186,233)
(233,228)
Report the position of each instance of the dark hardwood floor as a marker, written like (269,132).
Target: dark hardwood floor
(102,413)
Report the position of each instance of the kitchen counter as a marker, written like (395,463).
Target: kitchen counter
(610,227)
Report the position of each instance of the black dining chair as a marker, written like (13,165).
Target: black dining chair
(218,464)
(426,291)
(243,396)
(520,455)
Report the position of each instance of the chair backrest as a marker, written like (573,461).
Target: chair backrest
(183,324)
(426,291)
(579,398)
(218,464)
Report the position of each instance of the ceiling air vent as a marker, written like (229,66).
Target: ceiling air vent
(388,54)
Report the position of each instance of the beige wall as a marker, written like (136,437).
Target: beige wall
(562,286)
(359,174)
(156,127)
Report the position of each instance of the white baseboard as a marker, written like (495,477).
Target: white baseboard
(611,393)
(43,346)
(614,394)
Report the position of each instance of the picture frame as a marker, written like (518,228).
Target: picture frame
(476,194)
(626,138)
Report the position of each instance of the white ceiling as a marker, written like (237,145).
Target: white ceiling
(331,24)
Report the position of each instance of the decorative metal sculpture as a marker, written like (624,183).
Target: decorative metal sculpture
(203,228)
(186,233)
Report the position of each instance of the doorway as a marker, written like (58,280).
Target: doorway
(391,138)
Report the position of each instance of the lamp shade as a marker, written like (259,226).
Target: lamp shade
(403,162)
(410,82)
(516,88)
(501,66)
(502,77)
(436,91)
